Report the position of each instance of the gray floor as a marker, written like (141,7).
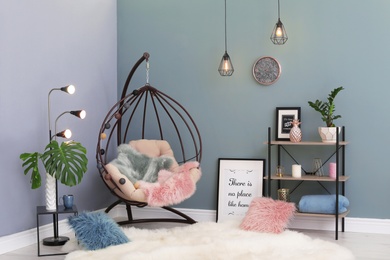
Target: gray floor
(364,246)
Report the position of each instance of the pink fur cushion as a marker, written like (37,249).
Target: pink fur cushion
(172,187)
(268,215)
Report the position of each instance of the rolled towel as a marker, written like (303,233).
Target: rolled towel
(324,204)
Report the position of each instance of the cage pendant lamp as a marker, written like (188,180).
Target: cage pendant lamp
(226,66)
(279,35)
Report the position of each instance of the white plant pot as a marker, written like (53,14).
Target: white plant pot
(50,189)
(328,134)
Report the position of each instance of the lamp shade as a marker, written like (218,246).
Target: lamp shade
(226,66)
(69,89)
(65,134)
(79,113)
(279,34)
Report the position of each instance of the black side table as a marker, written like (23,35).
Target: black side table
(55,240)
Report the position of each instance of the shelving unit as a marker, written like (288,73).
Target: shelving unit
(339,182)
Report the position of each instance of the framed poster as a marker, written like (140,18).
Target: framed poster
(239,181)
(284,118)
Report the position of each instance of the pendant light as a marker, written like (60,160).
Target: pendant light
(226,66)
(279,35)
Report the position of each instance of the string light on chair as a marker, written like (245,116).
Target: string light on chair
(226,66)
(279,35)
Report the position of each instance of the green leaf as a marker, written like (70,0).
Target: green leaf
(30,162)
(327,108)
(67,163)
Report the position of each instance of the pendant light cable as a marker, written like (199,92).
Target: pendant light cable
(225,30)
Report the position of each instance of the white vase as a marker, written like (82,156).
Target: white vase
(50,189)
(328,134)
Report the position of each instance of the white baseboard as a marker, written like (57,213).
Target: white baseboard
(29,237)
(361,225)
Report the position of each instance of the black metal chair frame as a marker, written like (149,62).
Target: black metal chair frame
(113,124)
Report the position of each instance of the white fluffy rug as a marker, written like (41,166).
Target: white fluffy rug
(209,240)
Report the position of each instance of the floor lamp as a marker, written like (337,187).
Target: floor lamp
(57,240)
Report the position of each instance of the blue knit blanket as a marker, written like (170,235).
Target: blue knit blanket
(324,204)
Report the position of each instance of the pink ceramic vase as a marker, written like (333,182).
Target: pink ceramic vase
(295,132)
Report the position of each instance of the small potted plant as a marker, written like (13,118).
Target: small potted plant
(327,109)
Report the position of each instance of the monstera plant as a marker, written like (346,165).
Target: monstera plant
(66,162)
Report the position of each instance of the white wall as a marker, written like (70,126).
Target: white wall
(47,44)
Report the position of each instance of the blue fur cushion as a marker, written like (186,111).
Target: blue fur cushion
(96,230)
(325,204)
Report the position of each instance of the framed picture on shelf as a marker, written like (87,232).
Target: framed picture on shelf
(239,181)
(284,118)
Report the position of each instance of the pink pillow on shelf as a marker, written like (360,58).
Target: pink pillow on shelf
(268,215)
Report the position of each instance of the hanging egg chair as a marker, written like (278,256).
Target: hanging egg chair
(145,113)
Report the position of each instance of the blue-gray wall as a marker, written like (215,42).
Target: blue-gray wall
(47,44)
(331,43)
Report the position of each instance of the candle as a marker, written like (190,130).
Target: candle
(332,170)
(296,171)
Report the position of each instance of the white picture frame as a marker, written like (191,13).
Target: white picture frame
(239,182)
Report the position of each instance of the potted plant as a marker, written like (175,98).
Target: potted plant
(66,162)
(327,109)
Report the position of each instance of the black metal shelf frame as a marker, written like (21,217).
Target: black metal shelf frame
(339,153)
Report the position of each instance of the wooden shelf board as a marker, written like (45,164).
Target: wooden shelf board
(341,215)
(307,178)
(305,143)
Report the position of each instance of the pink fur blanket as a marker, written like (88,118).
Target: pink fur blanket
(172,187)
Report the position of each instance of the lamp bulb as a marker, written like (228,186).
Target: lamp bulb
(70,89)
(68,134)
(83,114)
(226,65)
(279,32)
